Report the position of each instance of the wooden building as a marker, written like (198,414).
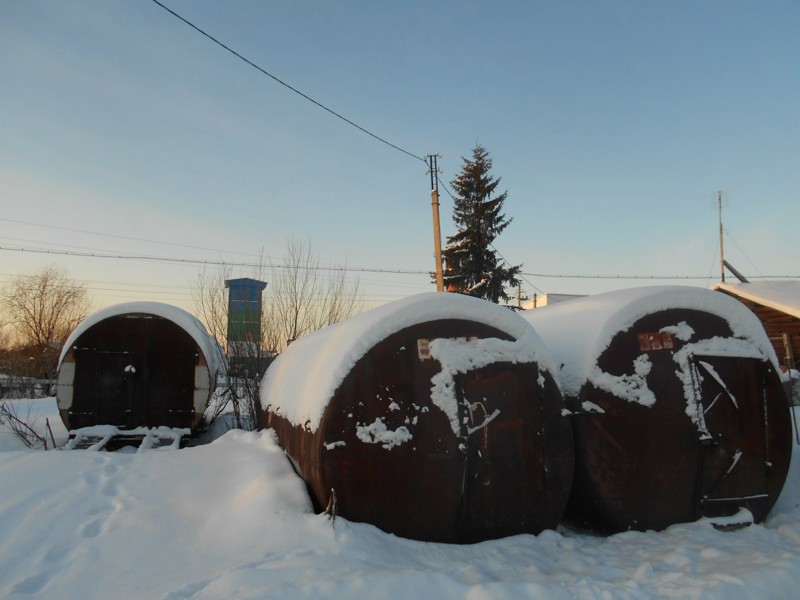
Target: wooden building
(777,306)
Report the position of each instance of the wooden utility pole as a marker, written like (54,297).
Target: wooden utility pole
(520,297)
(437,233)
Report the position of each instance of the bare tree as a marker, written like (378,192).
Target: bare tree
(42,309)
(45,307)
(211,301)
(239,390)
(301,297)
(305,297)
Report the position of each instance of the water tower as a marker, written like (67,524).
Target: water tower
(244,319)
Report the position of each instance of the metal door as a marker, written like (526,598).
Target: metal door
(503,467)
(733,466)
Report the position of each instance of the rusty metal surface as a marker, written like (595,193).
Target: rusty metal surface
(510,475)
(133,371)
(647,467)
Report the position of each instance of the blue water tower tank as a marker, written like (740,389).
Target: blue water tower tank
(244,315)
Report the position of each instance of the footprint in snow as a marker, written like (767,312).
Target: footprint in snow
(91,529)
(32,585)
(187,591)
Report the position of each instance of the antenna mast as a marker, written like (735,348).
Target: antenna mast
(721,244)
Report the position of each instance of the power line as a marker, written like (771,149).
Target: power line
(522,275)
(445,188)
(743,252)
(286,85)
(653,277)
(216,263)
(213,263)
(116,236)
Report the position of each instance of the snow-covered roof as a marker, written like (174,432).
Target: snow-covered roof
(180,317)
(542,300)
(578,331)
(780,295)
(302,380)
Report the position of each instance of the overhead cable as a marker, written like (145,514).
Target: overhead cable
(286,85)
(213,263)
(117,236)
(222,263)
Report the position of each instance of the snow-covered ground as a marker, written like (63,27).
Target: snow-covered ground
(231,520)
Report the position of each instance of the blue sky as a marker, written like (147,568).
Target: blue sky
(613,125)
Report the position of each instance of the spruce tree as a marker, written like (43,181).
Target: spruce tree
(471,264)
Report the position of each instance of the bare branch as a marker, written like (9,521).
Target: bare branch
(20,426)
(297,301)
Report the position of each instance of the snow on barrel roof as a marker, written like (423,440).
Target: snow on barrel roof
(302,380)
(188,322)
(578,331)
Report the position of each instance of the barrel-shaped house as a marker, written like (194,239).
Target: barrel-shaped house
(678,407)
(137,365)
(435,418)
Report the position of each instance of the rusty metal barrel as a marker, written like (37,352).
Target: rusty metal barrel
(435,418)
(135,365)
(677,404)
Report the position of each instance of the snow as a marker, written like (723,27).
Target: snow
(462,356)
(578,331)
(377,433)
(101,434)
(231,520)
(683,331)
(632,388)
(301,381)
(542,300)
(780,295)
(207,344)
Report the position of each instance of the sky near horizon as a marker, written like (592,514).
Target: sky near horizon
(612,125)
